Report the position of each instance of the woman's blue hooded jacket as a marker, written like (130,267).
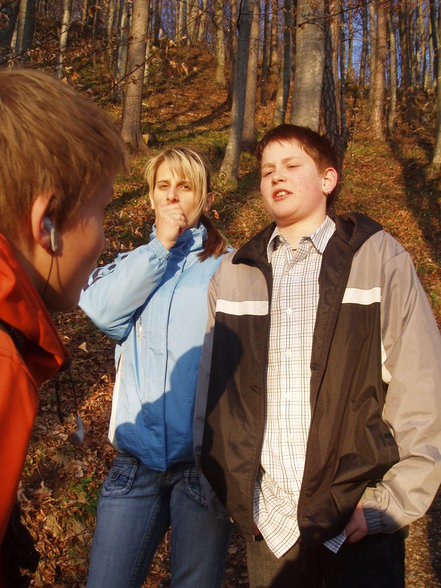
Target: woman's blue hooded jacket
(153,302)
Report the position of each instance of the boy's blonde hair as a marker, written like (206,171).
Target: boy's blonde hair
(51,139)
(189,164)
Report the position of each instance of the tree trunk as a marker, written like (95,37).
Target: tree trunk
(84,13)
(180,20)
(148,45)
(379,81)
(310,59)
(282,95)
(230,164)
(364,44)
(219,78)
(335,9)
(350,69)
(419,44)
(372,40)
(132,108)
(265,56)
(393,79)
(329,90)
(430,77)
(10,10)
(202,22)
(67,9)
(192,21)
(424,46)
(110,29)
(24,29)
(122,50)
(404,45)
(157,21)
(343,131)
(249,123)
(435,166)
(435,37)
(274,55)
(233,50)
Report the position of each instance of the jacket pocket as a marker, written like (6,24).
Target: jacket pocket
(120,478)
(193,486)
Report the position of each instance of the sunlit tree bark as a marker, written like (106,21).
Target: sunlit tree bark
(373,56)
(433,4)
(24,29)
(274,54)
(419,44)
(84,13)
(423,13)
(249,126)
(122,50)
(180,20)
(10,11)
(310,59)
(202,22)
(157,9)
(219,77)
(364,44)
(404,44)
(233,50)
(148,45)
(334,30)
(282,94)
(435,166)
(67,9)
(430,64)
(329,90)
(192,21)
(110,28)
(132,107)
(393,79)
(265,55)
(379,80)
(350,68)
(230,164)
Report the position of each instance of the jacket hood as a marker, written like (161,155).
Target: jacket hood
(22,309)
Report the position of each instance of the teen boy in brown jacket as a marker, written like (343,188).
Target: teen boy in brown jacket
(319,384)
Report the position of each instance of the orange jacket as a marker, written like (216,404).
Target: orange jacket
(39,355)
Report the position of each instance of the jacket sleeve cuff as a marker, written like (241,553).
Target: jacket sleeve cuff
(373,508)
(159,249)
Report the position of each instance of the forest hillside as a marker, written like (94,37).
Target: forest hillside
(387,180)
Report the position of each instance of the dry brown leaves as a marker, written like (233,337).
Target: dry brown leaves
(61,483)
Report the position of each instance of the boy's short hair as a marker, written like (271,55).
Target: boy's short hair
(317,146)
(51,139)
(184,162)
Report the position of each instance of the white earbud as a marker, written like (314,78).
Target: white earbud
(49,227)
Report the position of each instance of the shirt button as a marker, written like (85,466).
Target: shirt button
(288,311)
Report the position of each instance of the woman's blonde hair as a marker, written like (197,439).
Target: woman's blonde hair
(52,139)
(189,164)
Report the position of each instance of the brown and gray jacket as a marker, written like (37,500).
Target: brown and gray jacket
(375,432)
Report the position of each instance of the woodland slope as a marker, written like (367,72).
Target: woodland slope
(388,181)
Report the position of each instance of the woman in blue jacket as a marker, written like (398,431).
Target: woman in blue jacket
(152,301)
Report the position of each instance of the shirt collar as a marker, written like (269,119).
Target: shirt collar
(319,238)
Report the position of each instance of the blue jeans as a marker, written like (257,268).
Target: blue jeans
(135,509)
